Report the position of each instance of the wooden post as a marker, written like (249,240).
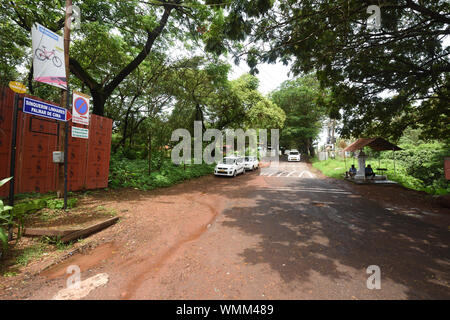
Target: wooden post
(345,162)
(64,96)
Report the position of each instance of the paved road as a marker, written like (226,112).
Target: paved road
(284,233)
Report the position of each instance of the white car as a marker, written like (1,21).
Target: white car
(230,166)
(286,152)
(251,163)
(294,156)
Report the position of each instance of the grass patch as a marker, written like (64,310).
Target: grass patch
(56,241)
(30,253)
(106,211)
(335,168)
(10,274)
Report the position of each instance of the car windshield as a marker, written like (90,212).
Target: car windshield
(294,153)
(228,161)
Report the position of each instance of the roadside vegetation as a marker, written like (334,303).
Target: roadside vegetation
(134,173)
(419,166)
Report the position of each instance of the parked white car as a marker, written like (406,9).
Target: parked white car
(294,156)
(230,166)
(251,163)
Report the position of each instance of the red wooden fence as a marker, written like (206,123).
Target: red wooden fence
(37,138)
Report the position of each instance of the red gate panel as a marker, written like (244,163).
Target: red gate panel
(37,138)
(77,158)
(98,152)
(6,102)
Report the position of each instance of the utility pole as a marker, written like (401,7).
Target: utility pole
(331,141)
(65,96)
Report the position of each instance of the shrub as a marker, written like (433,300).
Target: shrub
(134,173)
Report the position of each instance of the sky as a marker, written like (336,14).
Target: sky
(270,76)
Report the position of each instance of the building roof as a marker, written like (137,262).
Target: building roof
(378,144)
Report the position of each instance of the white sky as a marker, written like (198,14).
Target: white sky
(270,75)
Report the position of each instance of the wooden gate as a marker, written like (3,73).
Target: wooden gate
(37,138)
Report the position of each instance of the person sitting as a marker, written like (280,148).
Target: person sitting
(352,171)
(369,172)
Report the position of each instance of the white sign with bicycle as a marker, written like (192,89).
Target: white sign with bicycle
(48,57)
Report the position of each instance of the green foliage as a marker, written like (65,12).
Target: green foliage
(59,203)
(423,163)
(419,166)
(266,115)
(134,174)
(407,57)
(56,241)
(27,206)
(6,219)
(30,253)
(302,101)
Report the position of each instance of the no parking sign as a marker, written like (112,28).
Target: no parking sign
(80,108)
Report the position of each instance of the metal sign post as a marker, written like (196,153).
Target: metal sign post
(66,149)
(12,166)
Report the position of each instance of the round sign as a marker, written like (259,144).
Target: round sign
(17,87)
(81,105)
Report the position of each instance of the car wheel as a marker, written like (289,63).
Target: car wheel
(243,170)
(234,173)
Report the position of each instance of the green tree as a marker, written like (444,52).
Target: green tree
(303,103)
(115,36)
(406,58)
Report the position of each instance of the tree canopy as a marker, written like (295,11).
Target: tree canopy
(303,103)
(383,80)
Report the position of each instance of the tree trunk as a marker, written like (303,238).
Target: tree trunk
(149,152)
(312,152)
(99,99)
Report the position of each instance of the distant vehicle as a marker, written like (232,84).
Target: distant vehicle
(251,163)
(230,166)
(286,152)
(294,156)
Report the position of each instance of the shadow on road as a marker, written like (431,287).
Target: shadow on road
(314,232)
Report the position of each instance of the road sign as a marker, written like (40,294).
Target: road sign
(80,133)
(80,108)
(17,87)
(42,109)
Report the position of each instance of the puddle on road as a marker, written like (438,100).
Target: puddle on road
(85,261)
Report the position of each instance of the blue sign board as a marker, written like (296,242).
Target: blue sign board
(42,109)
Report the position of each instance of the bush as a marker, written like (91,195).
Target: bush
(134,173)
(418,166)
(421,166)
